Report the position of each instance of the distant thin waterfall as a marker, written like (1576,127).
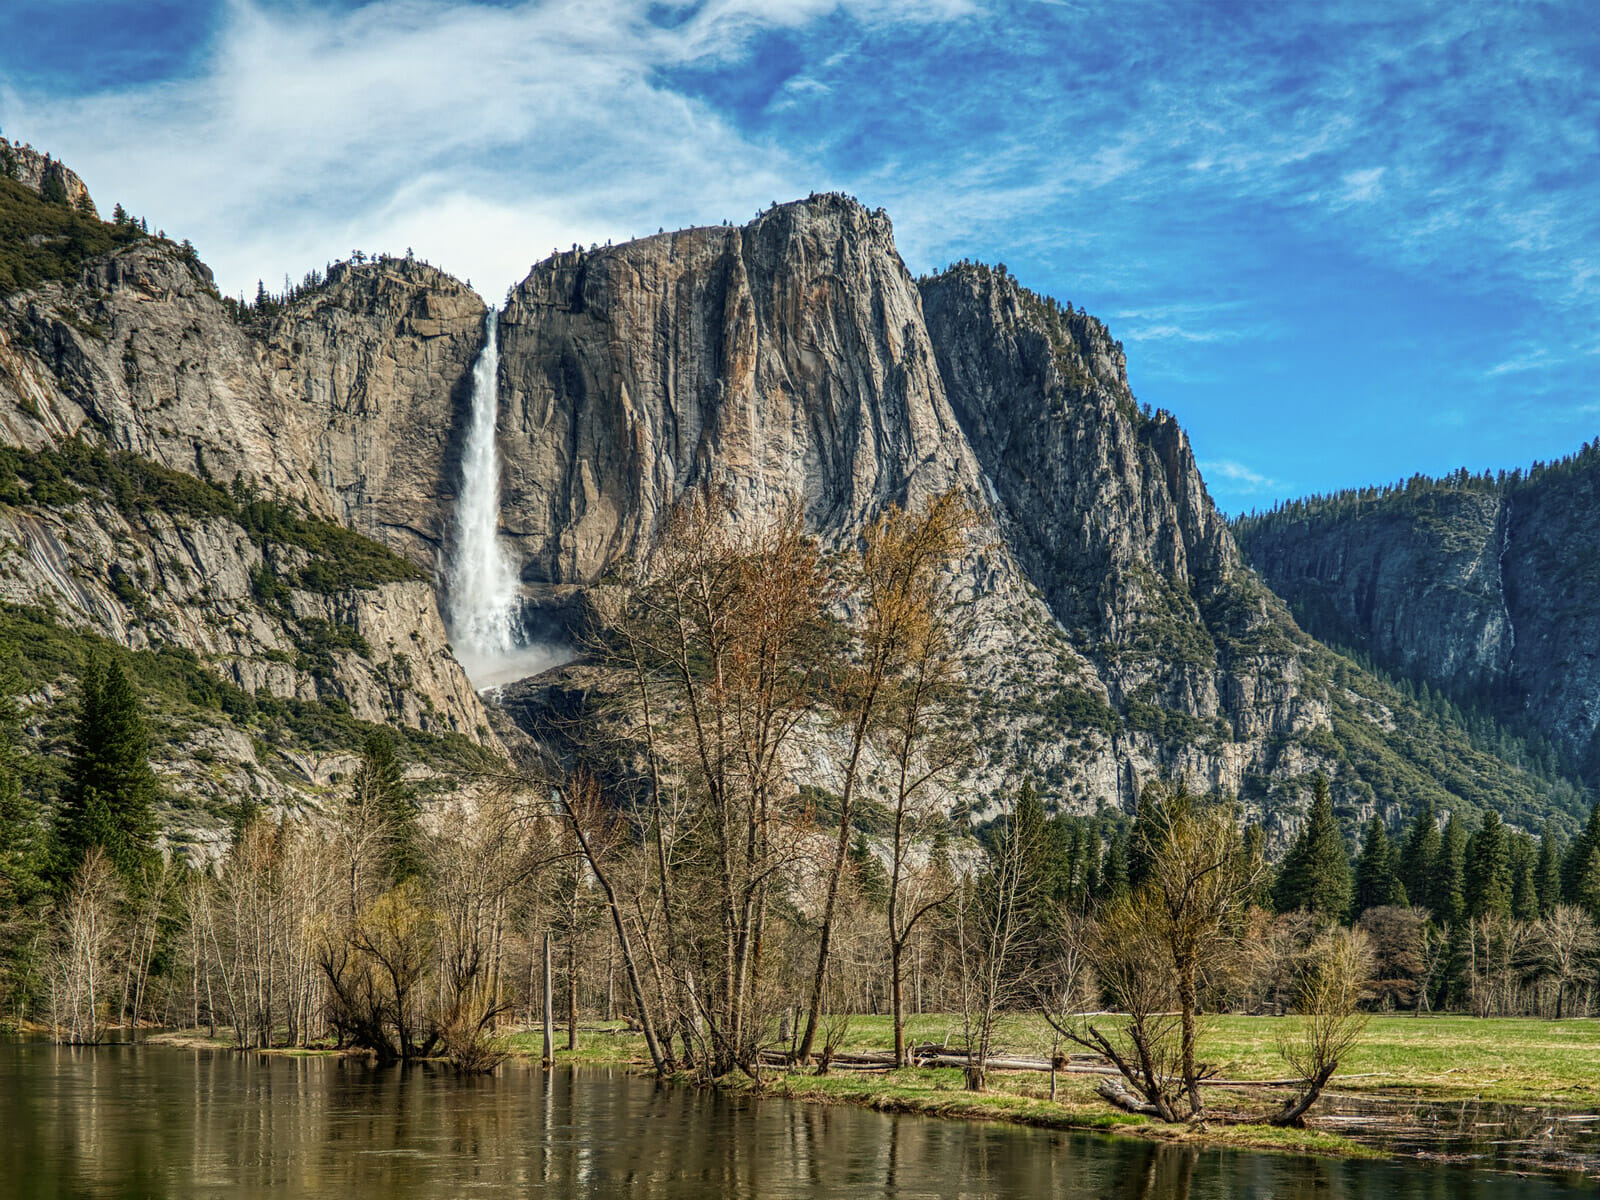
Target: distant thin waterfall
(483,582)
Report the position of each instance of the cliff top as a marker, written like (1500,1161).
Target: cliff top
(45,176)
(813,209)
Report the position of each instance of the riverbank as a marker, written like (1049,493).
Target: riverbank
(1505,1093)
(1390,1091)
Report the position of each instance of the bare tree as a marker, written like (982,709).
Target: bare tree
(1567,941)
(1329,992)
(485,855)
(727,637)
(1198,879)
(991,931)
(1125,948)
(902,668)
(81,964)
(1397,937)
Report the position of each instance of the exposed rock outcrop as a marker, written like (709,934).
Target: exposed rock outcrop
(786,360)
(40,173)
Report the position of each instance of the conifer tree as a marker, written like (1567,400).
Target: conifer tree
(1447,890)
(380,790)
(1255,849)
(1586,885)
(1577,858)
(1420,857)
(1139,837)
(1316,871)
(1524,878)
(21,885)
(1547,873)
(1488,870)
(110,788)
(1114,870)
(1376,883)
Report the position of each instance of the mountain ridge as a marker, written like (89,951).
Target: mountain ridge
(1119,635)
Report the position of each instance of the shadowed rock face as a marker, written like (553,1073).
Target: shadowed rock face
(1485,590)
(1104,507)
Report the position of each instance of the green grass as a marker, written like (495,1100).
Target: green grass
(1435,1057)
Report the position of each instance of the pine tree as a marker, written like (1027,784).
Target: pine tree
(1577,858)
(1586,885)
(1139,837)
(379,788)
(20,847)
(1447,890)
(1488,870)
(1547,874)
(1255,849)
(1114,871)
(1420,858)
(110,788)
(1376,883)
(1316,871)
(52,188)
(1524,878)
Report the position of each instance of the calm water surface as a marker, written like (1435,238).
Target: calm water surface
(153,1121)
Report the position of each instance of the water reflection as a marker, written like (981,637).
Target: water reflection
(157,1121)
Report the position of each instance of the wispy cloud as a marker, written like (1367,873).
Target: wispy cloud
(1239,478)
(1209,177)
(481,135)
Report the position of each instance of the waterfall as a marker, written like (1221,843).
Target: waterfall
(482,579)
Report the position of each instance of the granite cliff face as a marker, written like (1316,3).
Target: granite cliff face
(1106,511)
(786,360)
(368,377)
(1482,588)
(794,363)
(1119,634)
(337,407)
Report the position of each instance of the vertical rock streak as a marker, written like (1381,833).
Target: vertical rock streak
(483,583)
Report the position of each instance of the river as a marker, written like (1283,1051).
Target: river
(158,1121)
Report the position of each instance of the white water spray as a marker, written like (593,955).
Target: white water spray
(483,582)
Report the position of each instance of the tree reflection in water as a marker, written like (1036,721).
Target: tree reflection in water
(155,1120)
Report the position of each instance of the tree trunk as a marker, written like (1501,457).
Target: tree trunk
(549,1008)
(572,992)
(1294,1111)
(897,1000)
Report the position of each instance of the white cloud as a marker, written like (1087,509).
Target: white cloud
(482,137)
(1240,478)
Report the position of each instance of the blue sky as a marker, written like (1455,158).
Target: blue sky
(1342,242)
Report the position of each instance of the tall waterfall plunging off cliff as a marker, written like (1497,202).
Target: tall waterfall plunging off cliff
(483,581)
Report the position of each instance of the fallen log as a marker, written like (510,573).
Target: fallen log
(1112,1090)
